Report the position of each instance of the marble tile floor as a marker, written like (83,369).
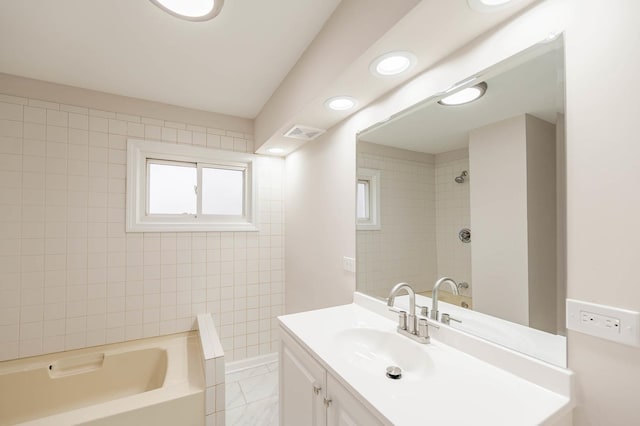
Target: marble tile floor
(252,396)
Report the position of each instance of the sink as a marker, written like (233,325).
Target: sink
(374,350)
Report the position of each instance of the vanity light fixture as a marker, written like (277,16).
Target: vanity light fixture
(191,10)
(275,150)
(392,63)
(465,96)
(340,103)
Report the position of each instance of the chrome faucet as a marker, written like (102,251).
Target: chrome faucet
(409,325)
(436,290)
(411,320)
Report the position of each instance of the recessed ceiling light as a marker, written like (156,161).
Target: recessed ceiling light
(191,10)
(275,150)
(494,2)
(489,5)
(465,96)
(392,63)
(340,103)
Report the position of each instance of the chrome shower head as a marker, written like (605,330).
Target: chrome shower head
(460,179)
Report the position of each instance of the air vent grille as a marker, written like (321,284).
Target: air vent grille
(305,133)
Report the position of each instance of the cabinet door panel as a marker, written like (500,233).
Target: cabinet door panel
(344,409)
(300,404)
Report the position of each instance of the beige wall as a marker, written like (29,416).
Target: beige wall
(601,46)
(603,201)
(541,223)
(70,276)
(320,220)
(500,261)
(561,224)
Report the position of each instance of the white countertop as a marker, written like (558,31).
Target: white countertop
(458,389)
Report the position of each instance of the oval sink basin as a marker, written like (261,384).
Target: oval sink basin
(374,350)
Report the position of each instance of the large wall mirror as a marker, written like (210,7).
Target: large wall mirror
(475,192)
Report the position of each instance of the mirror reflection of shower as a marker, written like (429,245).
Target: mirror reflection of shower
(461,178)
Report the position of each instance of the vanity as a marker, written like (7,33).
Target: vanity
(333,365)
(469,193)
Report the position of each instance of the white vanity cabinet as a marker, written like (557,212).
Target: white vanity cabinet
(311,396)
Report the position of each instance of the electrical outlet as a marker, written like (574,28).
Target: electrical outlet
(349,264)
(592,319)
(607,322)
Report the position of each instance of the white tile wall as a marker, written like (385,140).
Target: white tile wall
(453,214)
(71,277)
(213,363)
(404,249)
(422,210)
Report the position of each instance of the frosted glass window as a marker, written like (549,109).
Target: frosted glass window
(181,188)
(172,189)
(222,191)
(362,206)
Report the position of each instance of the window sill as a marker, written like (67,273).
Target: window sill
(191,227)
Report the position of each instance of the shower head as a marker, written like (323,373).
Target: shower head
(460,179)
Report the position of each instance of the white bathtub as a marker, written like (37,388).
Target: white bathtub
(157,381)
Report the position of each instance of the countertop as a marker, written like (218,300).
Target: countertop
(459,389)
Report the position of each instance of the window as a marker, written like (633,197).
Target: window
(182,188)
(368,199)
(362,210)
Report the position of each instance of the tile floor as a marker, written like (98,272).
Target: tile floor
(252,396)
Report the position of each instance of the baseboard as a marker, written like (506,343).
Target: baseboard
(243,364)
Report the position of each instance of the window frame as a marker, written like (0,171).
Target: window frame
(140,152)
(372,177)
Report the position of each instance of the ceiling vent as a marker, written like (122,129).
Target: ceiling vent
(304,133)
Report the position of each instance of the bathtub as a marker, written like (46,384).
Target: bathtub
(157,381)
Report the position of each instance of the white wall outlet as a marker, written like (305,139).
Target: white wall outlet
(349,264)
(606,322)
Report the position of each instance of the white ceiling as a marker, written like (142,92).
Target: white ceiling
(432,30)
(534,87)
(231,64)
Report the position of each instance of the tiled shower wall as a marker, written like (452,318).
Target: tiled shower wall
(453,214)
(422,210)
(404,249)
(70,277)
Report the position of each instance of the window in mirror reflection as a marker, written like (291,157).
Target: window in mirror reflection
(362,209)
(368,199)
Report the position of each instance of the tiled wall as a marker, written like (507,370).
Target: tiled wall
(70,276)
(452,214)
(422,210)
(213,365)
(404,249)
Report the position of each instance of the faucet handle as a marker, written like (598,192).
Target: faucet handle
(424,310)
(402,318)
(423,329)
(446,319)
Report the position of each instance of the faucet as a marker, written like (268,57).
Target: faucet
(436,290)
(409,325)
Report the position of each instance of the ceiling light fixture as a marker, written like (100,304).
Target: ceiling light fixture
(489,5)
(465,96)
(275,150)
(191,10)
(392,63)
(341,103)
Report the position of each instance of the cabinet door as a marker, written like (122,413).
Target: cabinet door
(302,386)
(343,409)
